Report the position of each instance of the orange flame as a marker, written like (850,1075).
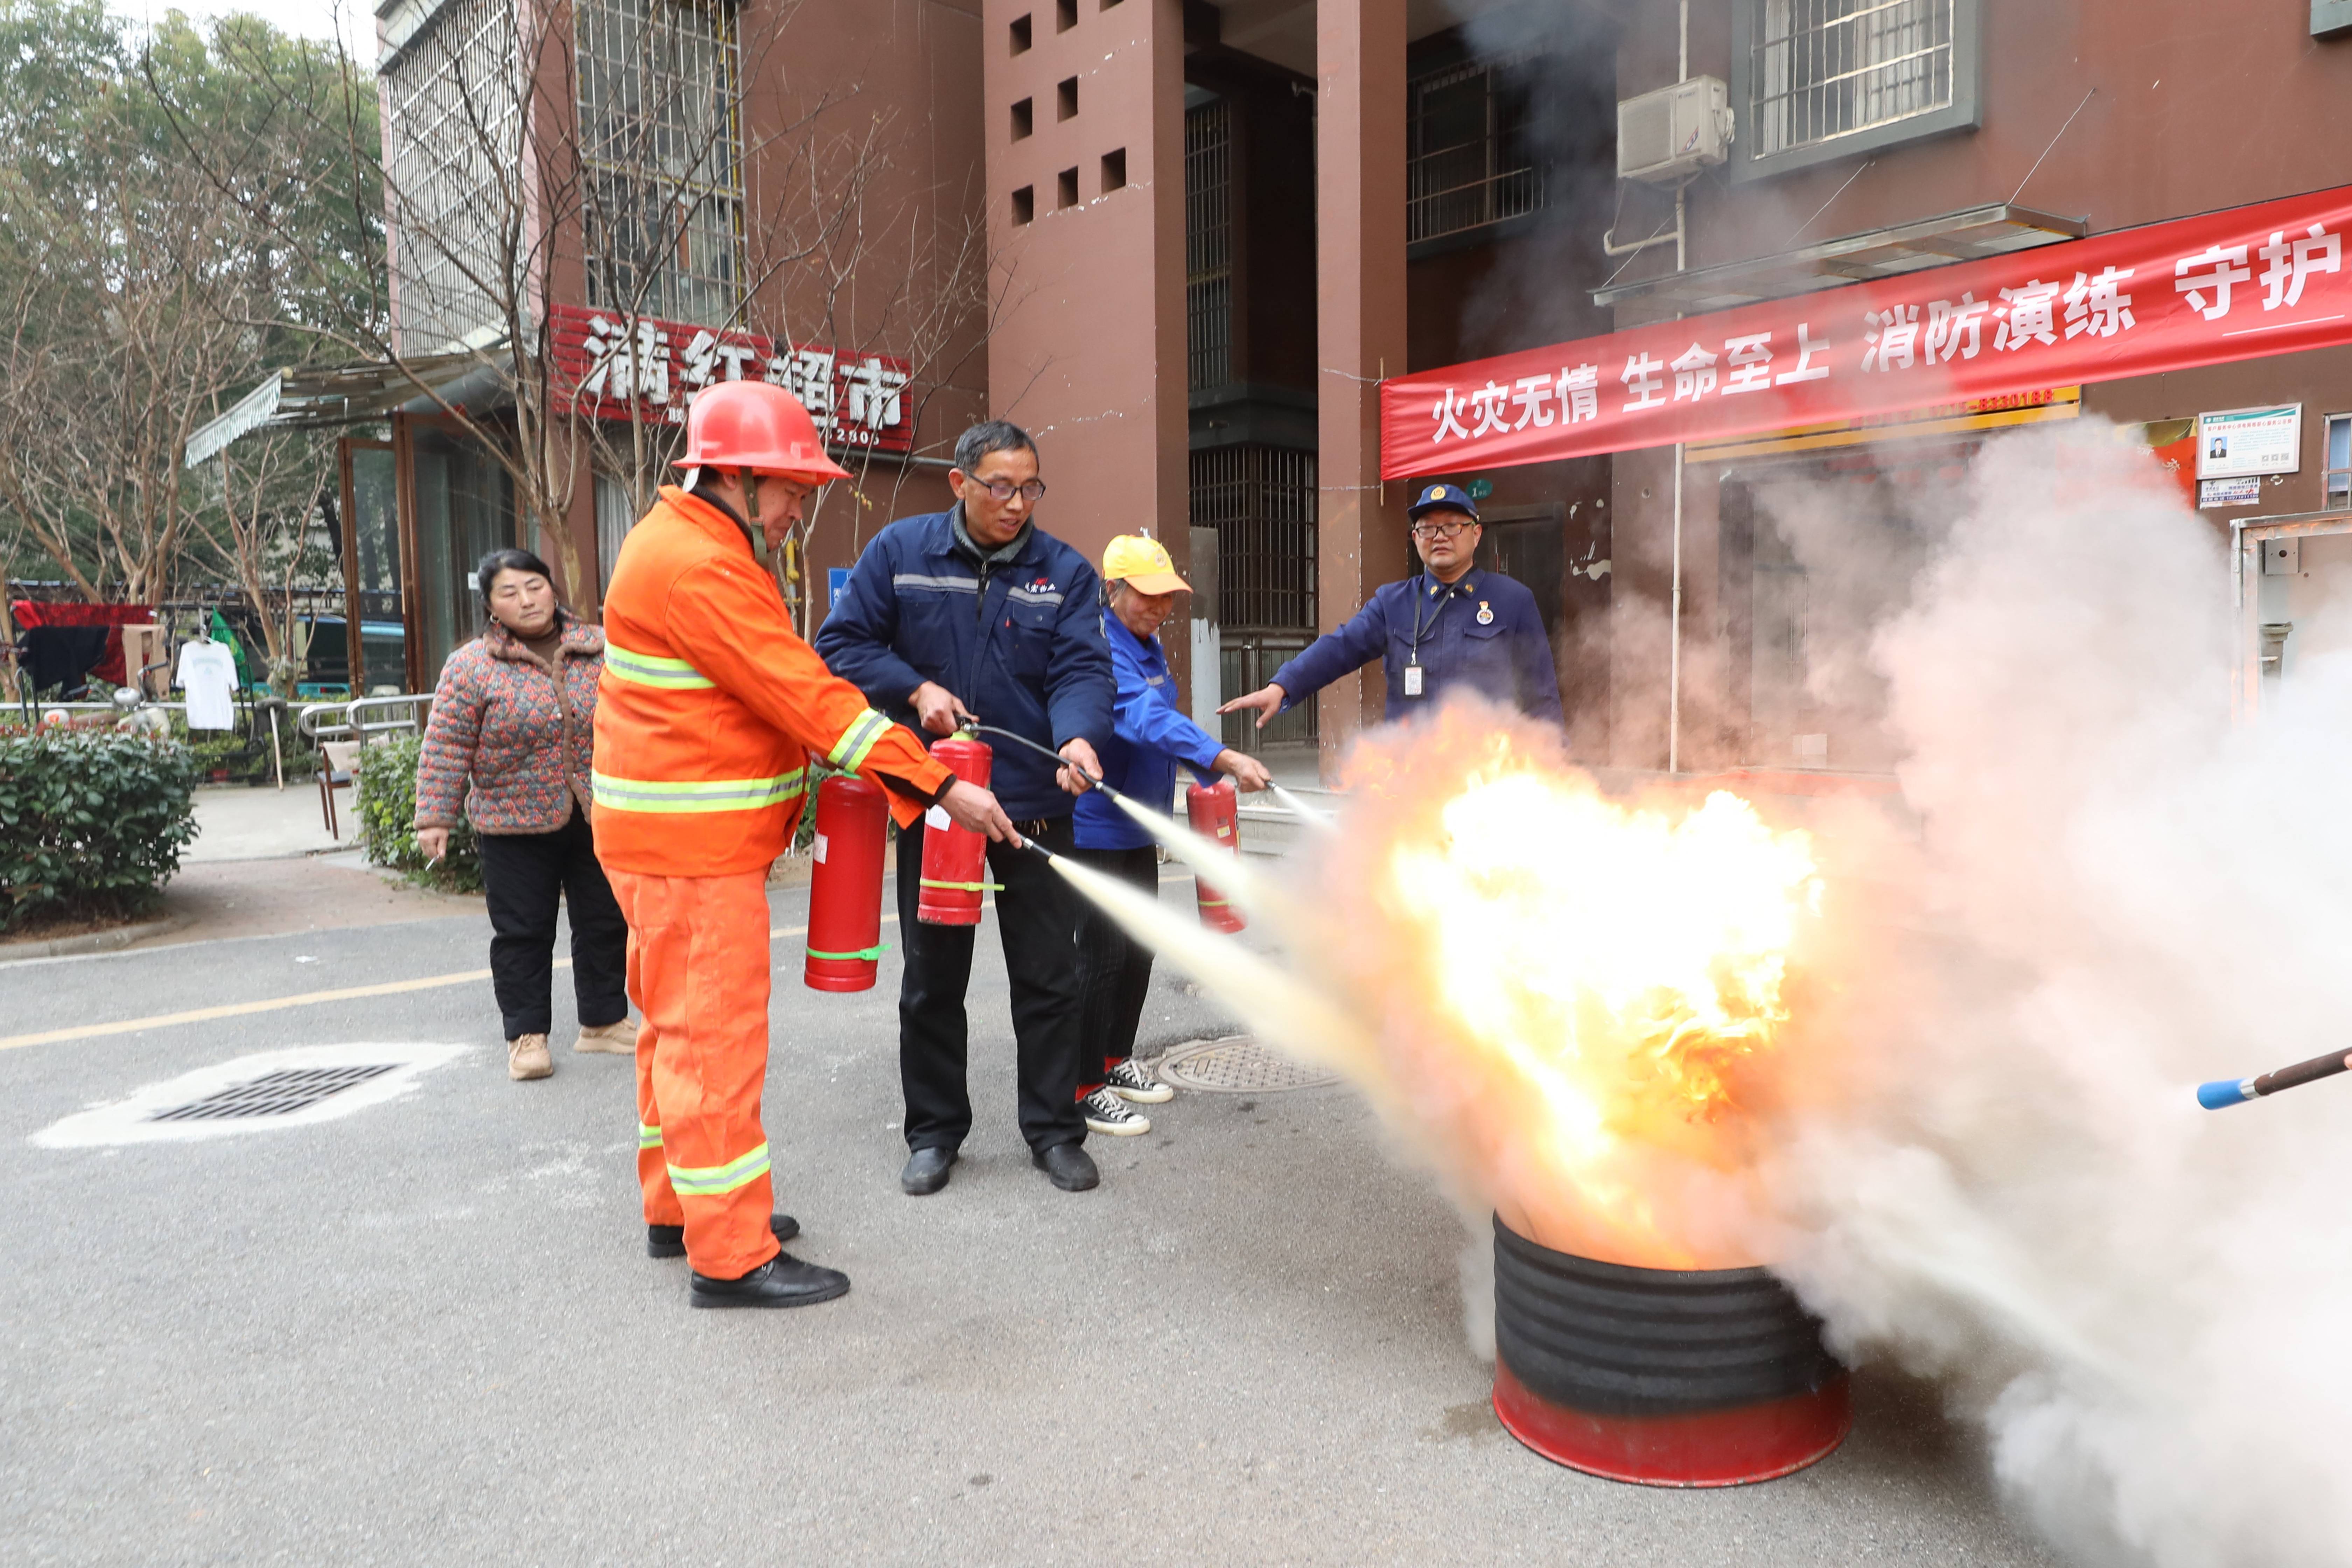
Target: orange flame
(1573,993)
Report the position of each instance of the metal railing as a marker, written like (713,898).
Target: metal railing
(365,718)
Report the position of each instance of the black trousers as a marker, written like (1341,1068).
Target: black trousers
(1114,969)
(523,875)
(1036,914)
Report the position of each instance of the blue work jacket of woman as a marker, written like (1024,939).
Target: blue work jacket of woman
(1484,633)
(1150,735)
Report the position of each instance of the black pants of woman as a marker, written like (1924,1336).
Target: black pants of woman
(523,876)
(1114,969)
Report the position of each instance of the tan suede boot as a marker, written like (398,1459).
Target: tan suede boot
(614,1039)
(527,1058)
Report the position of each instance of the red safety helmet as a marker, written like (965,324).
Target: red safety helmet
(757,426)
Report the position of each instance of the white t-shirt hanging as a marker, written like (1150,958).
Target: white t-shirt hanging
(207,672)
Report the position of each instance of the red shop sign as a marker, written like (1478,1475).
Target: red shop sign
(2241,284)
(639,367)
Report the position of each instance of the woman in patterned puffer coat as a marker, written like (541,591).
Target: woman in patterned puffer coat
(508,744)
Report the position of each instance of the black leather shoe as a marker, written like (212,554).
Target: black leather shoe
(781,1281)
(669,1240)
(927,1172)
(1067,1167)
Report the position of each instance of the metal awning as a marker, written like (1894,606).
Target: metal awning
(331,396)
(1972,234)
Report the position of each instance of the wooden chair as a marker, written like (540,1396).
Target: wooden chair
(338,760)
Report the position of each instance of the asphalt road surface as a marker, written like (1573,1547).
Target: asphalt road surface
(426,1332)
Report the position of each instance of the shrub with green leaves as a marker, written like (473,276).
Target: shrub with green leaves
(385,783)
(91,825)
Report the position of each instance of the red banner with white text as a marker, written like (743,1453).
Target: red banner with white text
(618,366)
(2242,284)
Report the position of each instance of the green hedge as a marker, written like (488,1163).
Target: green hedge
(385,783)
(91,825)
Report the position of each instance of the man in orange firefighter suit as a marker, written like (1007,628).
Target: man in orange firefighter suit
(707,710)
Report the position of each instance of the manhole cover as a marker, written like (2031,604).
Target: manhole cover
(253,1095)
(1236,1064)
(275,1093)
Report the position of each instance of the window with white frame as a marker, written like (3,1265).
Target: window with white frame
(2336,467)
(453,147)
(1469,160)
(661,159)
(1814,80)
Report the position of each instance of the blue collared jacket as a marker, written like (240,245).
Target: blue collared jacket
(1150,735)
(1020,643)
(1484,633)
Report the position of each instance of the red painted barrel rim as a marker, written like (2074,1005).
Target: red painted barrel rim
(1706,1448)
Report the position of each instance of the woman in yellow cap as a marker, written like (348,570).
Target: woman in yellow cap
(1150,736)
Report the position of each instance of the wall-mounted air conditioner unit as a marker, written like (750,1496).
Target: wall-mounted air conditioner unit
(1676,130)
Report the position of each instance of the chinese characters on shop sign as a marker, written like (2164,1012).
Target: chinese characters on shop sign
(2251,281)
(622,367)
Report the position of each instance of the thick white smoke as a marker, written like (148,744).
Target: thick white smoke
(2119,892)
(1981,1155)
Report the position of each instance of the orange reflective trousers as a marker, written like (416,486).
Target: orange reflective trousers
(698,971)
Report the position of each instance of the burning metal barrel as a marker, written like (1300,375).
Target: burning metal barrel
(1667,1377)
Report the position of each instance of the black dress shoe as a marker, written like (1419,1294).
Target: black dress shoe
(781,1281)
(1067,1167)
(669,1240)
(926,1172)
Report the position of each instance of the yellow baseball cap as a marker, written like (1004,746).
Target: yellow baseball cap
(1142,563)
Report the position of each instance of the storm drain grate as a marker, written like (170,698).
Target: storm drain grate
(1236,1064)
(273,1093)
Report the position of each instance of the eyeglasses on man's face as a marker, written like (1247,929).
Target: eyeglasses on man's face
(1002,490)
(1448,529)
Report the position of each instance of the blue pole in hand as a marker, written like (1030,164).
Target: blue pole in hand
(2230,1091)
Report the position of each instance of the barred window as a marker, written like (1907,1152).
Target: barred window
(1821,78)
(1261,502)
(661,161)
(1469,162)
(1208,243)
(453,145)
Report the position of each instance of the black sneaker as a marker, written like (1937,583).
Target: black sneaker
(669,1240)
(1106,1113)
(781,1281)
(1130,1080)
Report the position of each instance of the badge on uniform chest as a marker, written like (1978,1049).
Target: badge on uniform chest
(1486,614)
(1412,680)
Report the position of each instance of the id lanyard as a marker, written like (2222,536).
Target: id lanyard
(1413,657)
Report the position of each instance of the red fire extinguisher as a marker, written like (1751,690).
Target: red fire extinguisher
(955,860)
(844,923)
(1214,812)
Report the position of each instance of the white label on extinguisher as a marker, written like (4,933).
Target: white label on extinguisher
(938,817)
(820,848)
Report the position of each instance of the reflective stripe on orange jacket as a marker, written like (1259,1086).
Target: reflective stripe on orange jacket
(710,703)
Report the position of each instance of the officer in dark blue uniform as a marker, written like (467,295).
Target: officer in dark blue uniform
(1451,628)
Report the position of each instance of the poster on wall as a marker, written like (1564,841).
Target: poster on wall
(2215,494)
(2247,443)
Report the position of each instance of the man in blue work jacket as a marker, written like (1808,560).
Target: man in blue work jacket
(1451,628)
(1149,736)
(970,610)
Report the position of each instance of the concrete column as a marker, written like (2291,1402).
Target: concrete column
(1084,131)
(1360,195)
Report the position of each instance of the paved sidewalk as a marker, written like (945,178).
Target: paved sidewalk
(237,822)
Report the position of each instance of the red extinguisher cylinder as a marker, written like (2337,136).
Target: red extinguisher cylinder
(1215,812)
(844,923)
(955,860)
